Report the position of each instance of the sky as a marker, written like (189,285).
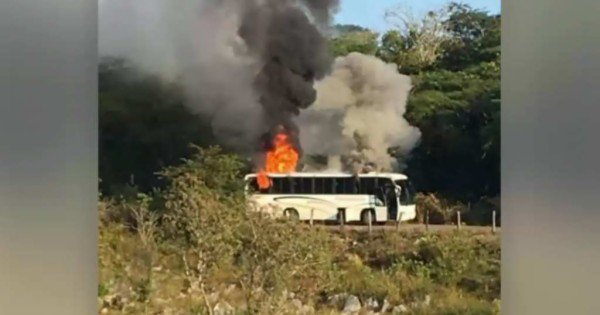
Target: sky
(369,13)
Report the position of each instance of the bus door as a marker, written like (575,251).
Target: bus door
(391,200)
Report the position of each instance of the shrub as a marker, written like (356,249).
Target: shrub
(440,210)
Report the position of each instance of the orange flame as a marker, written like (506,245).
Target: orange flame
(283,158)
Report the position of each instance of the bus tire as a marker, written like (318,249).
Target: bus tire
(364,216)
(292,214)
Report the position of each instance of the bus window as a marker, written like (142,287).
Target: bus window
(328,184)
(306,185)
(276,187)
(319,185)
(338,186)
(345,185)
(407,193)
(385,182)
(296,185)
(324,185)
(253,185)
(286,185)
(367,185)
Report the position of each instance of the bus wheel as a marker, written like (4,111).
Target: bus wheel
(292,214)
(364,216)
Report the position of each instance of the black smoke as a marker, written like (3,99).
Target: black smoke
(285,35)
(246,65)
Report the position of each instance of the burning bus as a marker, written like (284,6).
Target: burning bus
(379,197)
(278,187)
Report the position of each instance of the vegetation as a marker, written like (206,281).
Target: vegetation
(192,248)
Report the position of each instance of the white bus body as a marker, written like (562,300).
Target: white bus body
(322,196)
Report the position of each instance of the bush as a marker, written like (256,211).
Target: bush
(206,213)
(440,210)
(482,211)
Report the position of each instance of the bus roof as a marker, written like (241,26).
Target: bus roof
(392,176)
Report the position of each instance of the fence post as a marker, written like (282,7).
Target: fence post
(494,221)
(341,218)
(369,217)
(458,221)
(312,213)
(399,221)
(427,220)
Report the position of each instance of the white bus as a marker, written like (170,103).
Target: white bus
(387,196)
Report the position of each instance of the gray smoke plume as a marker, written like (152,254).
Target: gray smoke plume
(248,64)
(358,116)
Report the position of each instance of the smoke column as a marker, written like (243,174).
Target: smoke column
(358,115)
(250,65)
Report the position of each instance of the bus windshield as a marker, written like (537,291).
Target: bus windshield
(407,192)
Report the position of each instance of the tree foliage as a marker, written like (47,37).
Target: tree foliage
(475,37)
(456,105)
(144,126)
(354,40)
(416,43)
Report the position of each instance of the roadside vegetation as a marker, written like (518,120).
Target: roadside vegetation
(193,248)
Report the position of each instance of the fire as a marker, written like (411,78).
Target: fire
(283,158)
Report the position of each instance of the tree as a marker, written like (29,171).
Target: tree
(144,126)
(458,114)
(475,37)
(416,43)
(348,28)
(352,38)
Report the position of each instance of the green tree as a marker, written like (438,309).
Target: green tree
(352,38)
(475,37)
(144,126)
(348,28)
(415,44)
(458,115)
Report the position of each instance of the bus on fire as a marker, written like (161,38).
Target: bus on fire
(386,196)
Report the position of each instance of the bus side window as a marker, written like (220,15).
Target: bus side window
(305,185)
(328,183)
(356,185)
(297,185)
(367,185)
(319,185)
(338,185)
(407,194)
(286,185)
(345,186)
(253,186)
(276,187)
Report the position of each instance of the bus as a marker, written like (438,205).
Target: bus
(335,196)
